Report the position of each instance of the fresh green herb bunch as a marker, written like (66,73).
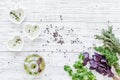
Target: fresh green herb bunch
(109,40)
(80,73)
(110,48)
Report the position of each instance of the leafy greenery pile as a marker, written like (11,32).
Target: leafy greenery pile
(80,73)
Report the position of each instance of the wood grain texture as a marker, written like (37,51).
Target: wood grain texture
(81,19)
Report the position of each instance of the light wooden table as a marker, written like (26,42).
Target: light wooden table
(81,19)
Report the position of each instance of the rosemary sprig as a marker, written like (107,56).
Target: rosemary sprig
(109,39)
(16,17)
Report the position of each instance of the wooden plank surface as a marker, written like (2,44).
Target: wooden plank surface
(77,21)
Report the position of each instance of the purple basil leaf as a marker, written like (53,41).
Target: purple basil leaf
(92,68)
(97,57)
(111,74)
(95,53)
(105,73)
(103,60)
(103,66)
(86,55)
(108,70)
(85,62)
(93,63)
(100,70)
